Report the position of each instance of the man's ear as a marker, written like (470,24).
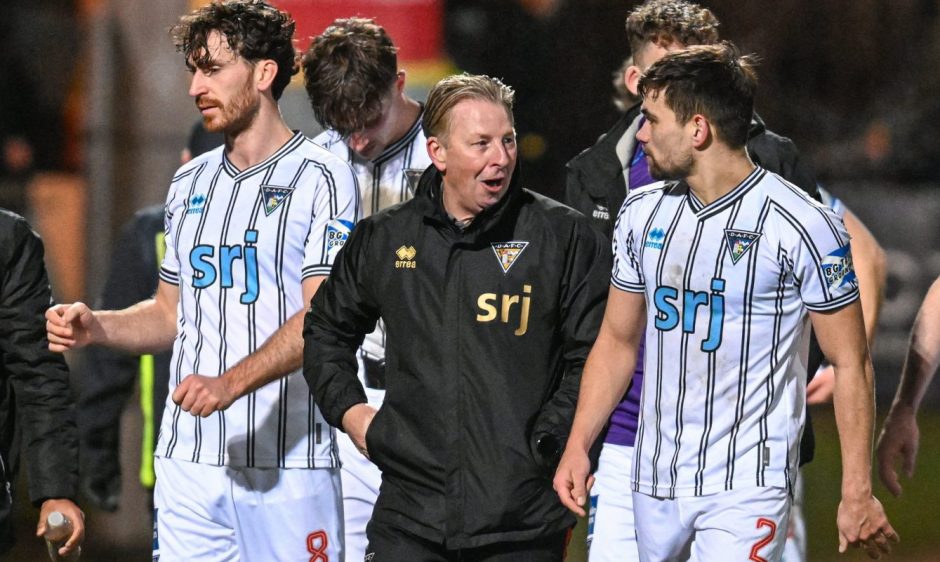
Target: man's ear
(701,130)
(400,82)
(631,78)
(438,153)
(265,72)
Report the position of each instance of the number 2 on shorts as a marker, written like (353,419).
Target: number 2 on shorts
(762,522)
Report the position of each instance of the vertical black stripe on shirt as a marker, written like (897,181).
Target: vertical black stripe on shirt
(174,439)
(376,188)
(181,321)
(283,314)
(197,237)
(403,191)
(691,260)
(660,264)
(786,267)
(747,327)
(637,263)
(711,381)
(764,430)
(311,408)
(253,343)
(741,390)
(223,314)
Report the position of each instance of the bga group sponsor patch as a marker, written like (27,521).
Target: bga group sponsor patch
(337,233)
(837,268)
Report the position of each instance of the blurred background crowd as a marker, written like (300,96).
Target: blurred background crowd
(94,113)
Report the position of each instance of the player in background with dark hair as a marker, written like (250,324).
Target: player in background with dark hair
(358,93)
(109,375)
(717,448)
(246,465)
(36,412)
(598,181)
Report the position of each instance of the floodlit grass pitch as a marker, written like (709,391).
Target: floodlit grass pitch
(914,515)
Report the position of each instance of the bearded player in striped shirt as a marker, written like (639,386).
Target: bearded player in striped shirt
(727,264)
(247,469)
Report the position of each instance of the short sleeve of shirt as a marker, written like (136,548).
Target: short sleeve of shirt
(822,261)
(335,212)
(174,210)
(627,274)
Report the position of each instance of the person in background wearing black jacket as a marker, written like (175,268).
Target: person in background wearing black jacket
(35,402)
(598,180)
(132,277)
(492,296)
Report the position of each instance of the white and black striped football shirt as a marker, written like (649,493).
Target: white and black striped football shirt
(728,287)
(239,244)
(388,179)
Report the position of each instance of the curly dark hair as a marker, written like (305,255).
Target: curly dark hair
(254,30)
(348,71)
(662,22)
(710,80)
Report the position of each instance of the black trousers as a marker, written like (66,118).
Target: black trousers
(388,544)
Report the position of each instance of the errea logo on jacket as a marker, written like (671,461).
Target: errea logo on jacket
(406,257)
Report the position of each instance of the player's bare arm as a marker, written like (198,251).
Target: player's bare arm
(605,379)
(148,326)
(861,519)
(279,356)
(900,436)
(870,263)
(71,512)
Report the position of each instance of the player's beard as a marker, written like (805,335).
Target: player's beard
(675,168)
(236,115)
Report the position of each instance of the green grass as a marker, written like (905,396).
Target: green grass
(914,515)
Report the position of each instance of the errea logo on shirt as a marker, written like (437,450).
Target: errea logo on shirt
(406,257)
(655,239)
(197,204)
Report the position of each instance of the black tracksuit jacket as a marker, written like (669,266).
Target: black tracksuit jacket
(34,382)
(488,329)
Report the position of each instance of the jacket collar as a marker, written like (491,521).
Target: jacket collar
(757,126)
(429,201)
(600,163)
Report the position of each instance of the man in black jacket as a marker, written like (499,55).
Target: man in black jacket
(492,296)
(35,403)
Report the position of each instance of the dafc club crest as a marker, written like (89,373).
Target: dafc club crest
(508,253)
(739,242)
(273,196)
